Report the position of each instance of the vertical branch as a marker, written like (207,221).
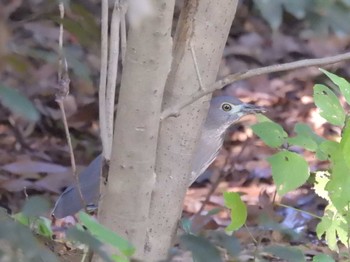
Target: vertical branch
(61,94)
(112,76)
(103,76)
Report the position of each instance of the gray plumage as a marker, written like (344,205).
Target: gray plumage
(223,112)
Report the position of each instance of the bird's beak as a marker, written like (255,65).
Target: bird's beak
(252,109)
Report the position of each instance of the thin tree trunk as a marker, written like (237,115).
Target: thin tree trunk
(204,25)
(125,205)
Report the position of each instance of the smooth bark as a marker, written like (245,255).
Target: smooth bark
(204,25)
(125,203)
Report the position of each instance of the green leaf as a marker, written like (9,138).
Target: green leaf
(271,133)
(271,11)
(289,171)
(333,226)
(343,85)
(305,130)
(36,206)
(322,258)
(86,238)
(238,210)
(18,103)
(345,143)
(201,248)
(339,184)
(105,235)
(297,8)
(329,104)
(43,227)
(290,254)
(302,141)
(228,242)
(321,180)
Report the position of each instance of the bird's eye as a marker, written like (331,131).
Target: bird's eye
(226,107)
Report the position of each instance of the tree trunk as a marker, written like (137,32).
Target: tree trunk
(151,164)
(124,206)
(204,25)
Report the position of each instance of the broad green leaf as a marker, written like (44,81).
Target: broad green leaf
(345,143)
(297,8)
(343,85)
(305,130)
(339,184)
(329,104)
(289,171)
(334,227)
(18,103)
(271,133)
(35,206)
(201,248)
(271,11)
(322,258)
(238,210)
(105,235)
(228,242)
(290,254)
(302,141)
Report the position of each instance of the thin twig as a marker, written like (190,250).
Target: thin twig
(250,234)
(112,76)
(174,111)
(103,76)
(61,94)
(299,210)
(201,87)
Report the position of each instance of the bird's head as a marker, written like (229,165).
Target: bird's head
(226,110)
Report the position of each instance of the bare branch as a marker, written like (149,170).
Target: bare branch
(61,94)
(103,76)
(112,76)
(175,110)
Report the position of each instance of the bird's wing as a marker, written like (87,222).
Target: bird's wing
(206,152)
(69,202)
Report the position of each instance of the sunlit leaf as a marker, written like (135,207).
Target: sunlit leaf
(321,180)
(339,184)
(334,227)
(289,171)
(343,85)
(271,133)
(238,210)
(329,104)
(322,258)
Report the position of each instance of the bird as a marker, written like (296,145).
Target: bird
(224,111)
